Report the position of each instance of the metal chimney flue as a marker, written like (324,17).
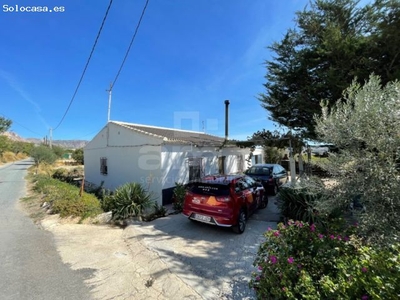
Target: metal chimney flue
(226,118)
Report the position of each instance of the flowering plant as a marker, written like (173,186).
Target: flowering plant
(298,261)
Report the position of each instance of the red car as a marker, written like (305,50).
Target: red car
(224,200)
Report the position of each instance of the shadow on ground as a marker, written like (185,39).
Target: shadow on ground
(214,261)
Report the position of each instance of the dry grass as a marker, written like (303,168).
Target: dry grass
(9,156)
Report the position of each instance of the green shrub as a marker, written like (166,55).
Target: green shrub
(43,154)
(364,125)
(42,183)
(298,202)
(128,200)
(68,176)
(159,212)
(107,202)
(78,156)
(64,198)
(297,261)
(60,174)
(101,193)
(74,205)
(179,196)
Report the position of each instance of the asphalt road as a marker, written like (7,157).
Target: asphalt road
(30,266)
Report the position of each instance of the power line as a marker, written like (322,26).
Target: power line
(87,63)
(130,45)
(21,125)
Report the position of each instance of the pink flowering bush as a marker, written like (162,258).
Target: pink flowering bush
(298,261)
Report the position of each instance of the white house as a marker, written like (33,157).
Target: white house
(158,157)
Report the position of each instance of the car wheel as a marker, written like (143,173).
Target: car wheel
(264,202)
(241,223)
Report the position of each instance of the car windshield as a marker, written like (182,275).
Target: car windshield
(259,171)
(210,189)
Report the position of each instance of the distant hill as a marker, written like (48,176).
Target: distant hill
(13,136)
(68,144)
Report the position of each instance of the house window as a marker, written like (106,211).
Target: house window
(257,159)
(221,165)
(194,173)
(103,166)
(195,168)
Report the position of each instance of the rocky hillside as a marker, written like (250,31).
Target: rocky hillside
(68,144)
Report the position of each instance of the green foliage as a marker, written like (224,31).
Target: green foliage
(67,175)
(179,196)
(24,147)
(42,183)
(278,140)
(273,155)
(58,151)
(297,261)
(5,124)
(16,147)
(298,202)
(107,202)
(102,194)
(128,200)
(76,206)
(5,144)
(333,42)
(366,128)
(43,154)
(159,212)
(77,155)
(61,174)
(64,198)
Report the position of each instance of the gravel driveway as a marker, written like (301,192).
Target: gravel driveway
(214,261)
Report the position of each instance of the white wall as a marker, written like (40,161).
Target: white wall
(174,162)
(260,153)
(136,157)
(175,168)
(131,157)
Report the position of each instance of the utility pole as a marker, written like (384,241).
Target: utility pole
(109,102)
(51,137)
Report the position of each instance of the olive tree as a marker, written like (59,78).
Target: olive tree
(43,154)
(365,126)
(5,124)
(78,156)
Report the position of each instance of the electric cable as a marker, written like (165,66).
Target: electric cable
(87,64)
(130,45)
(15,122)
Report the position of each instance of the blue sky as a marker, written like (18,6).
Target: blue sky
(188,57)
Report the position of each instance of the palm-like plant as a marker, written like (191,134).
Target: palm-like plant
(130,200)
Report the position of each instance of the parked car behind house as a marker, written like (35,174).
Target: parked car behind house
(224,200)
(272,176)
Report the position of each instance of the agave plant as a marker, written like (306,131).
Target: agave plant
(298,202)
(130,200)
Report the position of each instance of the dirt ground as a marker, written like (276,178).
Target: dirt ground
(120,267)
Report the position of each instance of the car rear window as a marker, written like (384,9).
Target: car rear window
(210,189)
(259,171)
